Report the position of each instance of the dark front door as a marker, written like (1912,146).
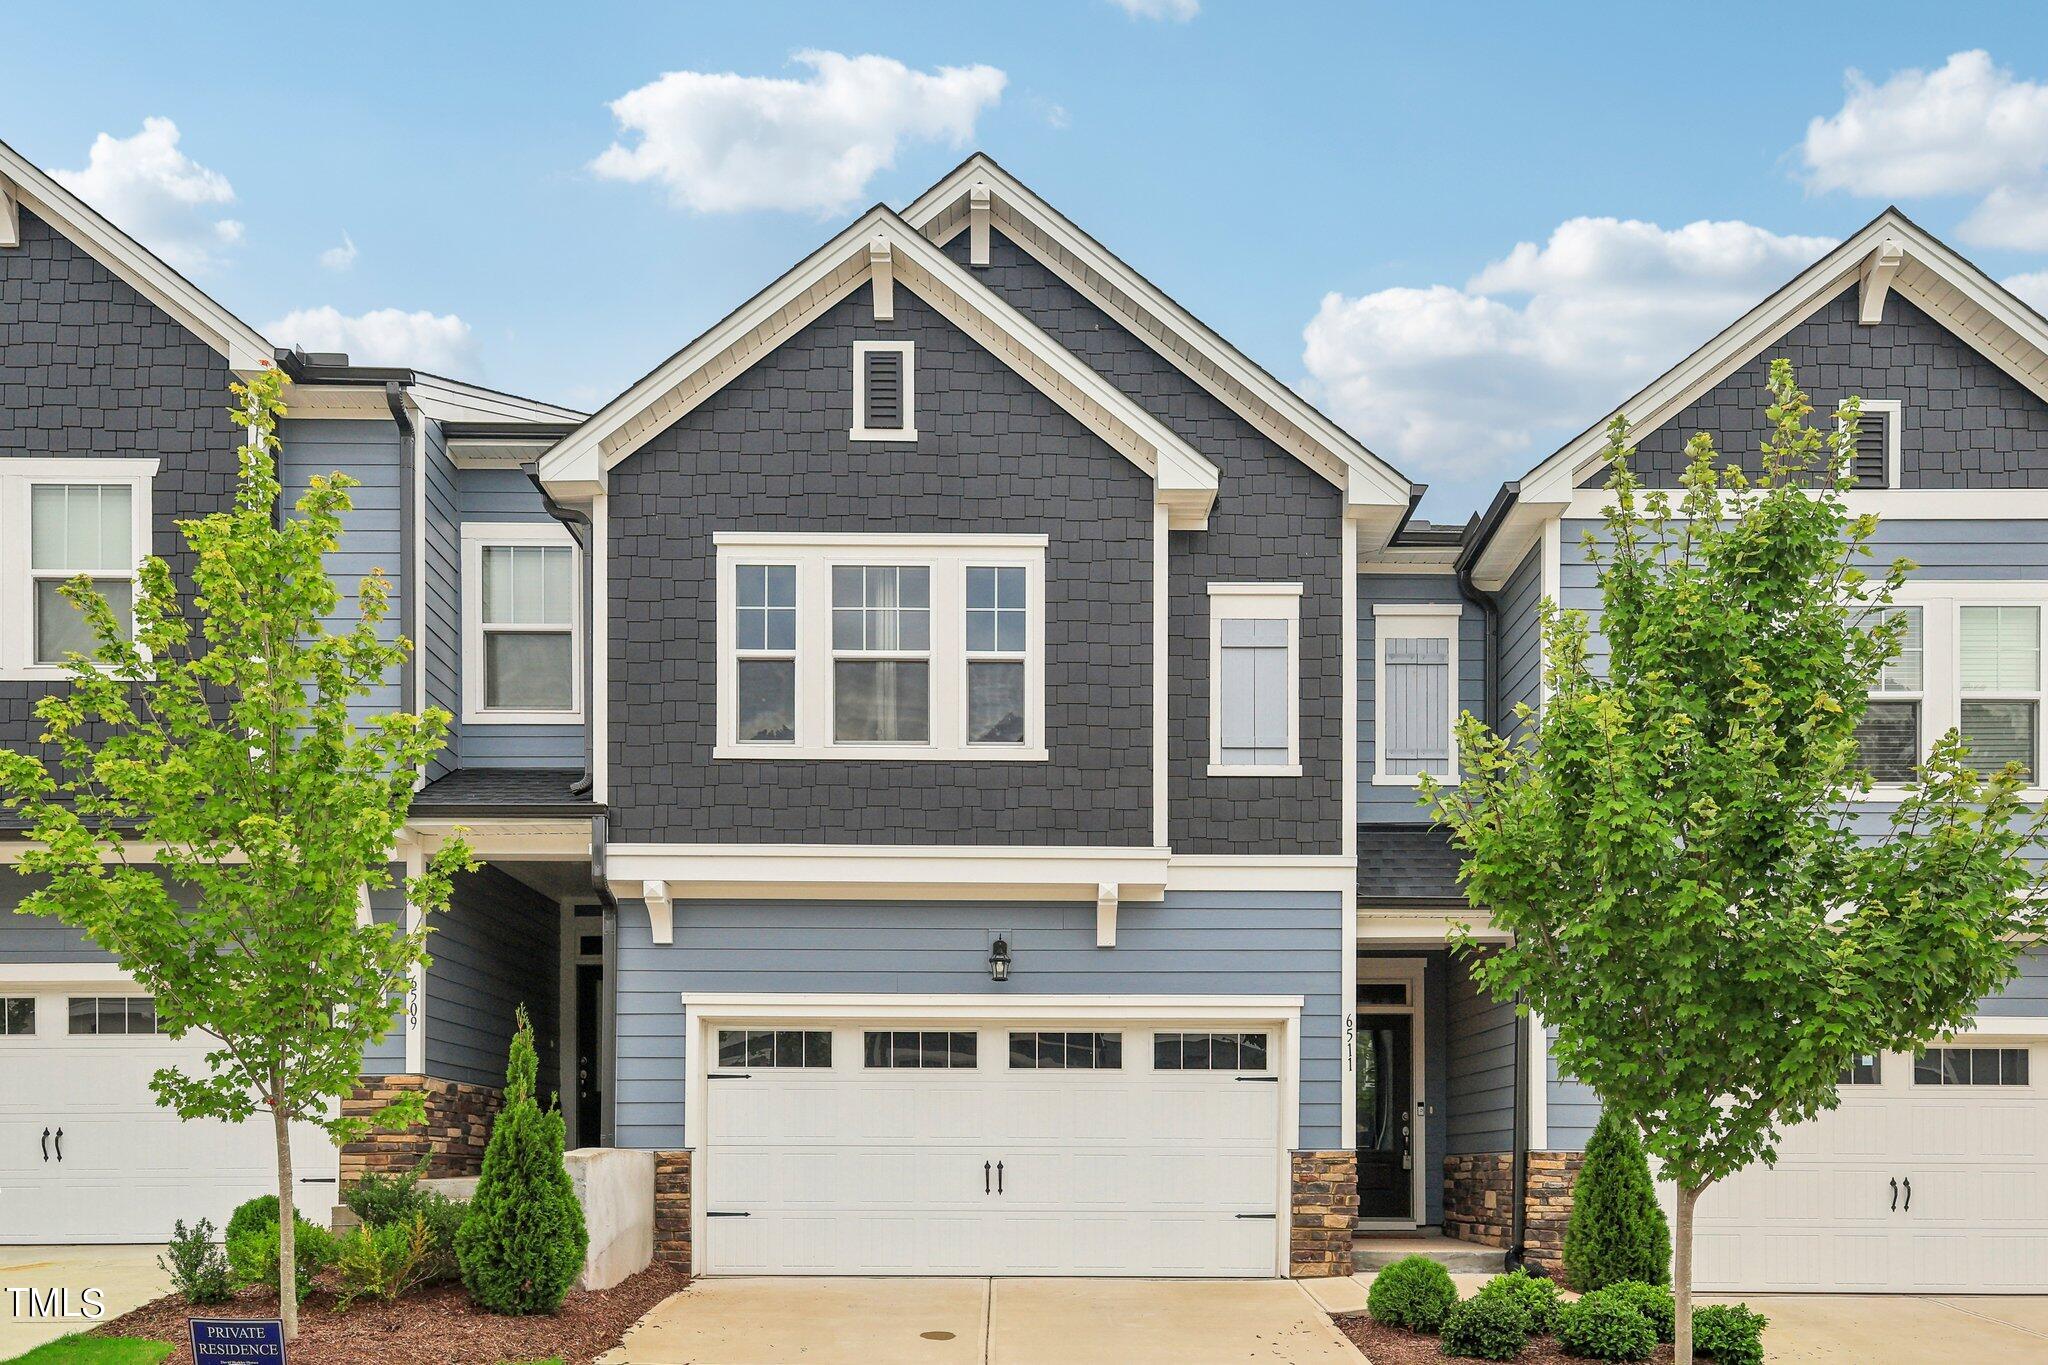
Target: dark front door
(589,1049)
(1386,1113)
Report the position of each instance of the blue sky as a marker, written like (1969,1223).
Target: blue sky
(1467,231)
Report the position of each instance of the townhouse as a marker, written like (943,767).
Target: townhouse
(944,748)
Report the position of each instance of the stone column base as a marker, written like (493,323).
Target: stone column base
(1324,1207)
(1549,1206)
(672,1208)
(1479,1197)
(453,1138)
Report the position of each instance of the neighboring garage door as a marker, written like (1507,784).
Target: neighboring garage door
(1929,1177)
(123,1169)
(1076,1150)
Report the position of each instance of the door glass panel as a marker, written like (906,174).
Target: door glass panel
(1378,1107)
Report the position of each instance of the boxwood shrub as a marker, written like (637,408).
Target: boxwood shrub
(1730,1333)
(1533,1297)
(1602,1327)
(1653,1301)
(1414,1292)
(1483,1328)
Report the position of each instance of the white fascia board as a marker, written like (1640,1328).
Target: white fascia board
(1228,374)
(740,1005)
(1557,478)
(451,400)
(1186,481)
(246,350)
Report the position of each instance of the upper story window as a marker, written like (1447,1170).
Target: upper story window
(884,391)
(880,646)
(522,624)
(60,519)
(1415,697)
(1255,679)
(1971,660)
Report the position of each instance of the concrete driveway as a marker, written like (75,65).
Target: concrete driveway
(126,1276)
(985,1322)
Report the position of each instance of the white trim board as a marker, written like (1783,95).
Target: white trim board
(981,190)
(24,183)
(1184,480)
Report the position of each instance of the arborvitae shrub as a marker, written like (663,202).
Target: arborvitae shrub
(1617,1231)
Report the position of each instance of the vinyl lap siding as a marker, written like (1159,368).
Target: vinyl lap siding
(1521,639)
(1482,1067)
(494,949)
(440,608)
(1397,804)
(1192,944)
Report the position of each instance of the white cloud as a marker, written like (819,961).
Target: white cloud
(721,142)
(2010,216)
(2032,287)
(440,342)
(339,257)
(1478,382)
(1180,11)
(1965,128)
(158,195)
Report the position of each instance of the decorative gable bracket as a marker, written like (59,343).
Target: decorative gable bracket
(1879,270)
(882,265)
(10,214)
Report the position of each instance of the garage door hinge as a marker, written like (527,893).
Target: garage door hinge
(1269,1080)
(1269,1217)
(729,1076)
(716,1213)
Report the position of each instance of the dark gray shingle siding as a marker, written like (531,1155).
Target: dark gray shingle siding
(1275,521)
(88,367)
(770,452)
(1967,423)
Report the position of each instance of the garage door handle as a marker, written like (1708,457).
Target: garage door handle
(1895,1194)
(984,1177)
(60,1158)
(46,1144)
(1909,1179)
(999,1177)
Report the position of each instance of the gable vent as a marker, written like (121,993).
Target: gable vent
(1871,464)
(883,389)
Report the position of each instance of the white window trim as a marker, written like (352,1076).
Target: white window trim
(1412,621)
(17,588)
(1257,602)
(861,430)
(1941,694)
(476,537)
(948,557)
(1895,413)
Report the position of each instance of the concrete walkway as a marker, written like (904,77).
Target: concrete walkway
(125,1276)
(985,1322)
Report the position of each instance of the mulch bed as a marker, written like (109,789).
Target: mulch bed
(1393,1346)
(436,1326)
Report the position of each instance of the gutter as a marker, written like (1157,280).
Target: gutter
(578,525)
(410,588)
(1489,608)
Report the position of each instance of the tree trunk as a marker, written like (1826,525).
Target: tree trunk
(1681,1273)
(287,1219)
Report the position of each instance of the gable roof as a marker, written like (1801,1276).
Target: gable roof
(25,185)
(880,246)
(1889,253)
(1376,494)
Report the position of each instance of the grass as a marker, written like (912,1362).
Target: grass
(80,1350)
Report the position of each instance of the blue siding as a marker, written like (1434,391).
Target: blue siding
(1192,944)
(495,948)
(368,451)
(2026,995)
(505,495)
(1482,1067)
(1521,638)
(387,1054)
(1572,1106)
(34,938)
(1397,804)
(440,607)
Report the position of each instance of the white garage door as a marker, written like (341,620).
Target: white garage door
(123,1169)
(1930,1178)
(1074,1150)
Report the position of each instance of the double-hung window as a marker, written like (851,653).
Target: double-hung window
(1889,733)
(1971,661)
(522,624)
(1999,678)
(59,520)
(1255,679)
(855,646)
(1415,692)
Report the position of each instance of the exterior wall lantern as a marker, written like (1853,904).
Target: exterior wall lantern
(999,959)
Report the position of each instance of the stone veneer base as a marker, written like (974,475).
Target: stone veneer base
(672,1208)
(1479,1194)
(1325,1205)
(457,1127)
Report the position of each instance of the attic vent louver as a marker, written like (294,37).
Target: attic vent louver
(884,391)
(1871,464)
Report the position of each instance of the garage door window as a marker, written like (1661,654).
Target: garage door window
(1866,1069)
(1066,1051)
(926,1051)
(1209,1052)
(116,1014)
(17,1016)
(785,1047)
(1971,1066)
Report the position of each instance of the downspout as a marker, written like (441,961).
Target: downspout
(1489,610)
(410,586)
(579,528)
(600,879)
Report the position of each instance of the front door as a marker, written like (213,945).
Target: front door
(589,1055)
(1386,1112)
